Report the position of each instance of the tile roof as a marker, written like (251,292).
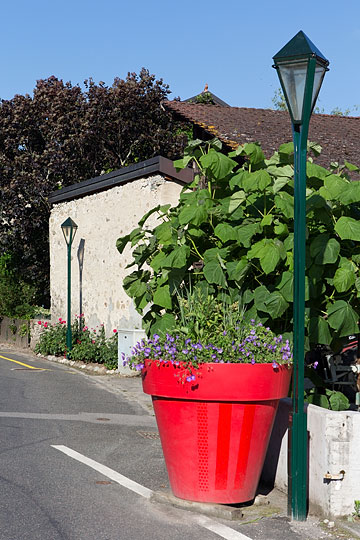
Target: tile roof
(339,136)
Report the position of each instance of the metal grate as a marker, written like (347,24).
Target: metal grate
(149,435)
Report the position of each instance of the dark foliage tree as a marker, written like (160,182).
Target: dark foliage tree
(62,135)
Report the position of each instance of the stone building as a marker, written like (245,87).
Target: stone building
(105,208)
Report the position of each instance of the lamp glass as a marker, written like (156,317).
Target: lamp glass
(320,71)
(293,76)
(69,229)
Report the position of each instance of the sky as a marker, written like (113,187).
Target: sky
(228,44)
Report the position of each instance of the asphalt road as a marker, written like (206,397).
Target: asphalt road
(79,459)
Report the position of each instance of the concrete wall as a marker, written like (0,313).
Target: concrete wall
(102,218)
(334,443)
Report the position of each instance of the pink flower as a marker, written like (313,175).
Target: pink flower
(85,328)
(63,322)
(60,319)
(45,325)
(39,322)
(115,331)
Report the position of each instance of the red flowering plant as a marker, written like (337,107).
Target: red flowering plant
(208,331)
(89,345)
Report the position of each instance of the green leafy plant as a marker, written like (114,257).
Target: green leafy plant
(232,232)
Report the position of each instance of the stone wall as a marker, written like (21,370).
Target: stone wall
(333,458)
(102,217)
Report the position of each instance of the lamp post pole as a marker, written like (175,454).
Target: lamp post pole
(69,229)
(301,69)
(68,329)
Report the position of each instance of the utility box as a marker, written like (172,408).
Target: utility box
(127,339)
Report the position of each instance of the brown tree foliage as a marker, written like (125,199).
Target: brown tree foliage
(63,134)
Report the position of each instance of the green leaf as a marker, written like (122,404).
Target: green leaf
(254,152)
(135,283)
(238,178)
(214,273)
(285,203)
(319,331)
(158,261)
(267,220)
(225,232)
(350,166)
(215,143)
(281,172)
(343,318)
(195,143)
(280,183)
(215,253)
(268,251)
(318,399)
(148,214)
(246,232)
(248,296)
(287,148)
(286,285)
(164,233)
(334,186)
(315,148)
(193,214)
(344,277)
(348,228)
(163,324)
(263,180)
(219,165)
(280,229)
(351,194)
(276,304)
(324,250)
(136,235)
(162,297)
(237,270)
(338,401)
(178,257)
(122,242)
(261,294)
(313,170)
(235,201)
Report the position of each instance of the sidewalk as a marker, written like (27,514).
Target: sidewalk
(265,519)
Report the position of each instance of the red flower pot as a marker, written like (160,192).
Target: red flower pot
(215,430)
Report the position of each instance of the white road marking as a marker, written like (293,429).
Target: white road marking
(106,471)
(218,528)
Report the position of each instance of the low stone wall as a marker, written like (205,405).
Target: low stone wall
(333,458)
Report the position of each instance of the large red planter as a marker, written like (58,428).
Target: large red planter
(215,431)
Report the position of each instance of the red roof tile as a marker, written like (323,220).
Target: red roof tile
(339,136)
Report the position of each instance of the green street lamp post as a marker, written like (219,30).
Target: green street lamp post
(301,68)
(69,229)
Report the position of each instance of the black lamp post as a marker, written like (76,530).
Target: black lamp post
(301,68)
(69,229)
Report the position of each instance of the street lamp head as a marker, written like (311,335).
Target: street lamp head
(301,68)
(69,229)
